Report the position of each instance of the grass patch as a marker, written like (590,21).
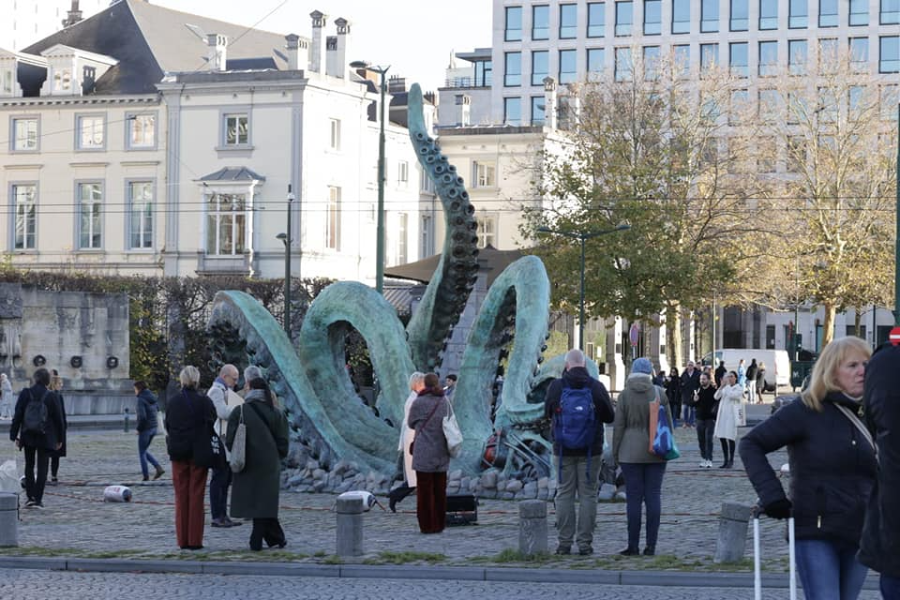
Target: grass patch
(320,554)
(334,559)
(402,558)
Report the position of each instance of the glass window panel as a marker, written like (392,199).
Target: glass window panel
(651,62)
(568,21)
(709,56)
(624,66)
(91,198)
(537,110)
(26,134)
(738,59)
(740,15)
(624,18)
(709,16)
(652,17)
(513,24)
(681,55)
(889,61)
(859,54)
(798,14)
(890,12)
(595,59)
(540,66)
(768,59)
(540,22)
(513,75)
(681,16)
(769,104)
(140,195)
(237,130)
(568,71)
(142,131)
(768,14)
(890,96)
(596,26)
(828,13)
(25,215)
(859,12)
(828,55)
(512,111)
(798,55)
(90,132)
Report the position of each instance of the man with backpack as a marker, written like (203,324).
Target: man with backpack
(37,428)
(577,405)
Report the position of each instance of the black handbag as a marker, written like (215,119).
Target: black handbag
(208,449)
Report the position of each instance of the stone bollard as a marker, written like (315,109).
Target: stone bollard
(9,519)
(733,522)
(532,527)
(349,526)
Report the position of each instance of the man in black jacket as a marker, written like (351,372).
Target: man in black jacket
(690,382)
(880,544)
(579,469)
(37,445)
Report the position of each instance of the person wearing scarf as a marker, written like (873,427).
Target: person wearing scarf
(431,460)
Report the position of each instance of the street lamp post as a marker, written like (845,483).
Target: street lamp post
(582,237)
(379,228)
(286,240)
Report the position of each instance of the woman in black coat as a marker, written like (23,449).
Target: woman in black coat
(189,421)
(880,546)
(832,467)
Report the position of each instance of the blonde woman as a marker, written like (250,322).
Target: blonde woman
(730,396)
(833,469)
(407,435)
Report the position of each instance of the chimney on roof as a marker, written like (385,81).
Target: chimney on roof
(317,52)
(463,110)
(297,52)
(73,16)
(396,84)
(342,53)
(217,55)
(550,89)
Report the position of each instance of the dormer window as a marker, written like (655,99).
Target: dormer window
(62,80)
(7,82)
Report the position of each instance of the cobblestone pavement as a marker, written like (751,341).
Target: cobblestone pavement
(77,519)
(39,585)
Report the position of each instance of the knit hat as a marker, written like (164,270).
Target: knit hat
(642,365)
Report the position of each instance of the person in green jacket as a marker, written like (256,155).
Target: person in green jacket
(256,489)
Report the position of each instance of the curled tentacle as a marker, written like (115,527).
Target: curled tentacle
(449,289)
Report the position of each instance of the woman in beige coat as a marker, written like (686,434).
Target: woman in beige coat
(407,435)
(643,471)
(730,396)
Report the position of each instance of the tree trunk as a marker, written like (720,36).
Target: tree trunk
(674,347)
(857,322)
(828,325)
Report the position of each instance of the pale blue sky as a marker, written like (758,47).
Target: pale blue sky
(415,37)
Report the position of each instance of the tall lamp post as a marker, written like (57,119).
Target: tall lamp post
(379,231)
(582,236)
(286,240)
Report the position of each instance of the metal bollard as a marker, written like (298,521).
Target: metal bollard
(733,522)
(349,526)
(9,519)
(126,419)
(532,527)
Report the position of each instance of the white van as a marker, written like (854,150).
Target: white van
(778,364)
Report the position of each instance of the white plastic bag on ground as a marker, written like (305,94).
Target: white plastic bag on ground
(9,477)
(117,493)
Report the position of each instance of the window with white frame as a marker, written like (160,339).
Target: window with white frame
(402,173)
(237,129)
(487,230)
(7,82)
(91,132)
(25,134)
(24,203)
(140,214)
(90,222)
(226,224)
(403,239)
(334,132)
(333,219)
(62,80)
(141,131)
(484,173)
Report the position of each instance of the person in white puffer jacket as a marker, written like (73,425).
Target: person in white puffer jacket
(730,396)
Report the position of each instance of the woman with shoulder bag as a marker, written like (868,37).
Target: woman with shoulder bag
(833,470)
(189,423)
(256,487)
(643,471)
(407,435)
(431,459)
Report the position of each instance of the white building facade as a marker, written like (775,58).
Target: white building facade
(26,21)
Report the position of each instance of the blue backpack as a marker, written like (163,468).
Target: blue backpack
(575,424)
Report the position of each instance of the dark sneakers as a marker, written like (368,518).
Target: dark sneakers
(225,522)
(630,552)
(564,549)
(650,551)
(586,551)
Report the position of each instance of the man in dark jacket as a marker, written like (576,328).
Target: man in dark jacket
(578,468)
(690,383)
(880,544)
(36,444)
(720,373)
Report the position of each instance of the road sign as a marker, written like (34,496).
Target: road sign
(894,336)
